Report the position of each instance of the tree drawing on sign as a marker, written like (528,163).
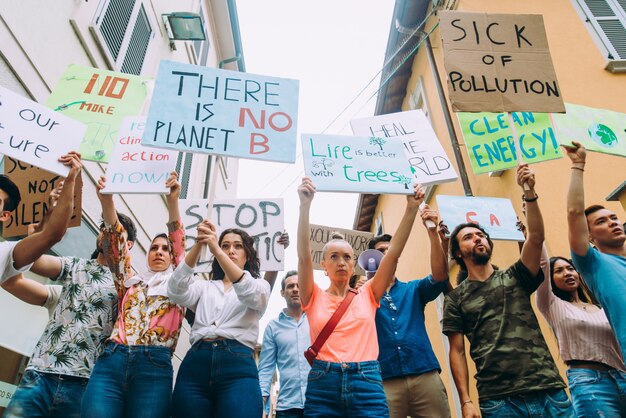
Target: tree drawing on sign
(378,141)
(406,181)
(324,162)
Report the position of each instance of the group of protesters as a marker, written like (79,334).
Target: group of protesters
(107,348)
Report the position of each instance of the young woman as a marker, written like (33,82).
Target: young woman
(133,376)
(345,378)
(586,341)
(219,377)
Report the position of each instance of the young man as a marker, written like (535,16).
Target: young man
(284,343)
(515,373)
(409,368)
(61,364)
(602,267)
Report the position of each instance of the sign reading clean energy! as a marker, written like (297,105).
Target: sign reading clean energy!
(428,160)
(207,110)
(490,145)
(597,129)
(320,235)
(498,63)
(134,168)
(357,164)
(99,99)
(496,215)
(36,135)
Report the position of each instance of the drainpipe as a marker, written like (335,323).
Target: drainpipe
(446,113)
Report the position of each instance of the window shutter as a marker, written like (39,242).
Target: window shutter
(114,24)
(138,44)
(608,17)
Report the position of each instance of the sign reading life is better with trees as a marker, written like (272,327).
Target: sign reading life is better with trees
(498,63)
(263,219)
(357,164)
(428,160)
(320,235)
(597,129)
(36,135)
(134,168)
(206,110)
(100,99)
(490,144)
(494,214)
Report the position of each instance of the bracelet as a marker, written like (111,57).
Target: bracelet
(465,402)
(577,168)
(530,199)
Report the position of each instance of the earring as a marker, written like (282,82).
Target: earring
(325,273)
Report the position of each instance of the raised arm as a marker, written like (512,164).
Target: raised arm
(179,285)
(438,258)
(531,251)
(385,273)
(576,221)
(26,290)
(544,296)
(458,364)
(306,192)
(176,232)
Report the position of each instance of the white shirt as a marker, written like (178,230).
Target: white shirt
(6,261)
(232,314)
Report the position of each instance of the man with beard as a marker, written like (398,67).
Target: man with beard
(515,373)
(284,343)
(603,267)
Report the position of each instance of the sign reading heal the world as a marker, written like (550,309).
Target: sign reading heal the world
(490,144)
(207,110)
(498,63)
(598,130)
(134,168)
(494,214)
(357,164)
(263,219)
(36,135)
(428,160)
(320,235)
(100,99)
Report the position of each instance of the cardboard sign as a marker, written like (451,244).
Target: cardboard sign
(6,393)
(100,99)
(35,186)
(498,63)
(320,235)
(263,219)
(490,145)
(207,110)
(428,160)
(597,129)
(35,135)
(134,168)
(357,164)
(495,215)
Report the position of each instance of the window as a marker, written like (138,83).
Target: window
(183,168)
(417,100)
(608,20)
(378,225)
(124,30)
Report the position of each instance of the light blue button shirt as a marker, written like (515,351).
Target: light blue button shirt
(284,344)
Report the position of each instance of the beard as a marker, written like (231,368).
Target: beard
(481,258)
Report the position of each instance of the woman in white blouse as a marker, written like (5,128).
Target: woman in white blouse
(219,377)
(587,343)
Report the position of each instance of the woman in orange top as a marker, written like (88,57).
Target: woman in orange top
(345,377)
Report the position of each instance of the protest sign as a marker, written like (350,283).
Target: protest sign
(134,168)
(320,235)
(428,160)
(35,186)
(498,63)
(35,135)
(6,393)
(99,99)
(490,144)
(494,214)
(598,130)
(357,164)
(208,110)
(263,219)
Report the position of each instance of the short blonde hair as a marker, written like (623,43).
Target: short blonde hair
(334,237)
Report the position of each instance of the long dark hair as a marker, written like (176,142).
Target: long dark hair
(584,294)
(253,265)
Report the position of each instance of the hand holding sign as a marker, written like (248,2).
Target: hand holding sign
(306,191)
(205,233)
(576,152)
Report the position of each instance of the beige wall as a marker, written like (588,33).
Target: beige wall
(579,64)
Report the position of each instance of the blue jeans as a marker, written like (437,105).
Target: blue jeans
(218,379)
(47,395)
(130,382)
(598,393)
(544,403)
(345,390)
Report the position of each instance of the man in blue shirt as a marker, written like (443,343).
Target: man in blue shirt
(408,364)
(284,343)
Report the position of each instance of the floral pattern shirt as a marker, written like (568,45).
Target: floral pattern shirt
(142,319)
(81,321)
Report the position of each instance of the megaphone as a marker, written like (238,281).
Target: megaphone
(369,260)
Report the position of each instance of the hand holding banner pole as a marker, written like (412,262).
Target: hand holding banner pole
(518,154)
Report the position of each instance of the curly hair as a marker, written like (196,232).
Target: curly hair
(253,265)
(455,246)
